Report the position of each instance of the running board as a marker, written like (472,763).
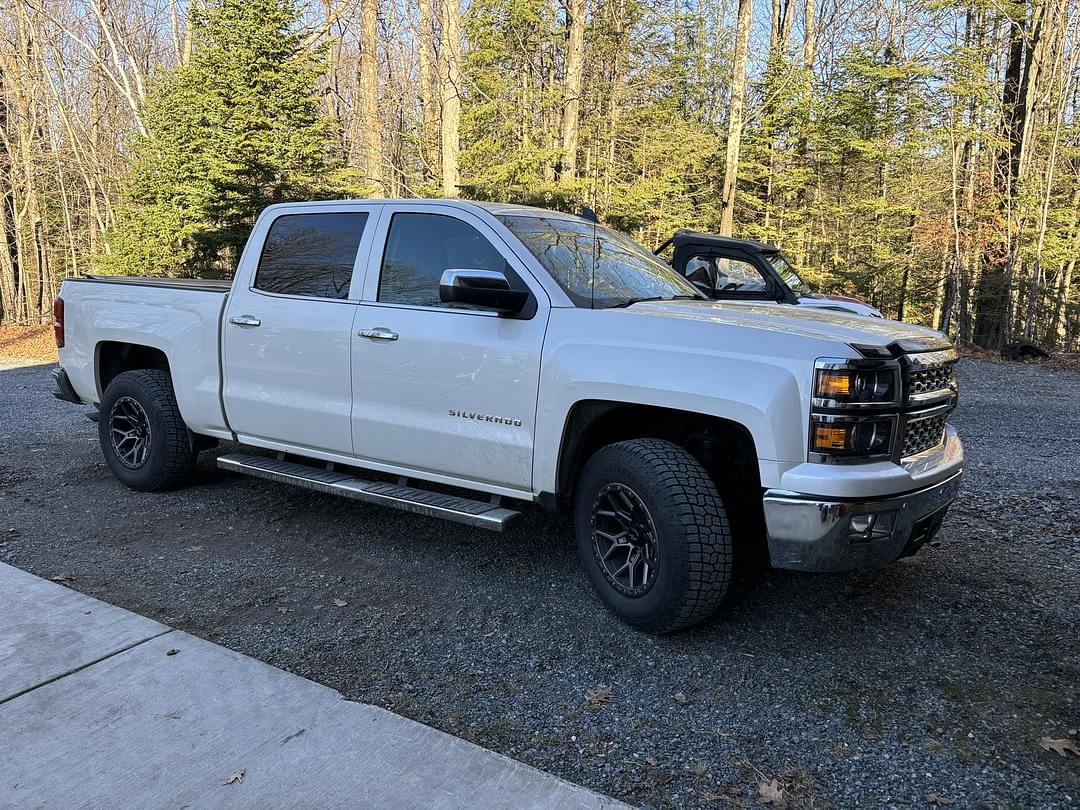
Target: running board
(480,514)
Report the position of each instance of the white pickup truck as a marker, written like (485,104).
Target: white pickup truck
(455,359)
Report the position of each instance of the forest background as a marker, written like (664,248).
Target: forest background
(921,155)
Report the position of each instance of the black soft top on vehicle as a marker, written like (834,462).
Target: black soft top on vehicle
(683,238)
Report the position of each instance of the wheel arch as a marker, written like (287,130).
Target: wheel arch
(724,447)
(592,424)
(113,357)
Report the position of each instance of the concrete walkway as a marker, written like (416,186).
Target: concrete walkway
(100,707)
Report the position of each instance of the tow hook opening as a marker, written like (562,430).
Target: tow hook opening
(871,526)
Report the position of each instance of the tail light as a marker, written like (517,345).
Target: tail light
(58,322)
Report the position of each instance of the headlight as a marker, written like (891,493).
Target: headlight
(853,413)
(854,384)
(851,437)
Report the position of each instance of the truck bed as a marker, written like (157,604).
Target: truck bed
(180,318)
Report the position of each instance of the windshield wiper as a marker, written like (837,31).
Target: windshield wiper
(631,301)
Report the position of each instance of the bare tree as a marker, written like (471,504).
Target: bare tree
(575,57)
(369,69)
(735,115)
(450,78)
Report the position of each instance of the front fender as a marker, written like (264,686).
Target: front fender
(763,395)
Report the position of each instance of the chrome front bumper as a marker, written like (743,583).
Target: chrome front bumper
(807,533)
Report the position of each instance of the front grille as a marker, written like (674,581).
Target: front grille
(931,378)
(923,434)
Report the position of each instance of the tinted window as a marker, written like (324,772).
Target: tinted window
(597,267)
(420,247)
(310,254)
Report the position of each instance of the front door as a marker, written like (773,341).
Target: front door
(436,388)
(287,347)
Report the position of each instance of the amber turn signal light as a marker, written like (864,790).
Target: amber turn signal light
(829,437)
(834,384)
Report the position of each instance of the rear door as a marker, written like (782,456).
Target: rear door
(286,333)
(446,390)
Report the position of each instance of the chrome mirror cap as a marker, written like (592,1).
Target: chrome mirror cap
(482,289)
(486,279)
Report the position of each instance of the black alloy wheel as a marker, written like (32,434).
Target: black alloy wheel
(624,540)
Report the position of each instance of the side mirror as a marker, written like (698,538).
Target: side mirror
(486,289)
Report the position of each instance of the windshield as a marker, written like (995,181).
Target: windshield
(595,266)
(788,274)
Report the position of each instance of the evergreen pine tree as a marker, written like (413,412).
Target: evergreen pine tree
(235,129)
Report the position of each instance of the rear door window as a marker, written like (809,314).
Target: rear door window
(311,255)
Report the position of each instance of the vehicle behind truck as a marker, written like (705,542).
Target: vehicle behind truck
(462,360)
(728,269)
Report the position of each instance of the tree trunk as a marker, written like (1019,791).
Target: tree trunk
(735,115)
(450,77)
(428,99)
(618,23)
(992,295)
(369,70)
(575,58)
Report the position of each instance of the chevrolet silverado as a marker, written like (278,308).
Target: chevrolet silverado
(459,359)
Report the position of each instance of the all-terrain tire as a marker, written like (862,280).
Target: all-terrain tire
(170,454)
(692,536)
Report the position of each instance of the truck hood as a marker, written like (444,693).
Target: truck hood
(808,322)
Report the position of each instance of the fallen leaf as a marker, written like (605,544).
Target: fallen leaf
(771,793)
(63,579)
(172,652)
(235,776)
(340,603)
(596,698)
(1059,746)
(652,761)
(939,801)
(680,697)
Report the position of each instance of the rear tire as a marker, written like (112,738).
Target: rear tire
(675,509)
(143,437)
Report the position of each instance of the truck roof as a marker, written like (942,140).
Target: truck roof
(684,237)
(495,208)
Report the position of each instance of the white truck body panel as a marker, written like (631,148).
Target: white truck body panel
(427,399)
(182,323)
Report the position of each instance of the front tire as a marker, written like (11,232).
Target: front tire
(653,535)
(143,437)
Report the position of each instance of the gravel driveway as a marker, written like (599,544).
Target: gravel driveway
(938,675)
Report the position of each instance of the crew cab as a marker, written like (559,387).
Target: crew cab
(729,269)
(460,360)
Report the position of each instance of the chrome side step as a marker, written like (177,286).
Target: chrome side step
(480,514)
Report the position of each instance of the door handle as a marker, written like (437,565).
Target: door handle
(245,320)
(379,333)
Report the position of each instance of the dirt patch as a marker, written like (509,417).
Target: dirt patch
(28,343)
